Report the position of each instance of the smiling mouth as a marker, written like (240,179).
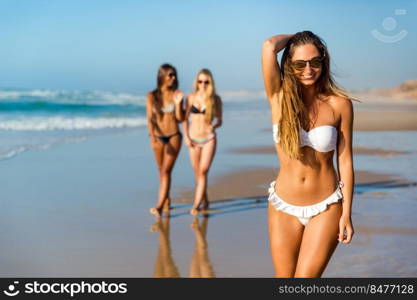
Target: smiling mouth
(306,77)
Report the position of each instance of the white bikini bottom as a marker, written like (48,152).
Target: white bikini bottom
(303,213)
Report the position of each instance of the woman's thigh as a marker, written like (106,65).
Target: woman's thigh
(207,154)
(195,153)
(171,151)
(158,151)
(319,242)
(285,235)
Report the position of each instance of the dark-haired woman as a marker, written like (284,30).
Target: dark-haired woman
(164,113)
(310,201)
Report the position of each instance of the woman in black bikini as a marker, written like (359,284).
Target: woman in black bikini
(164,112)
(203,106)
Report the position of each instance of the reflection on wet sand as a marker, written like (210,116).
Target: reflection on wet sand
(200,266)
(164,265)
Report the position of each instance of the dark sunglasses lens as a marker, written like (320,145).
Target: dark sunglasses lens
(315,62)
(299,64)
(171,74)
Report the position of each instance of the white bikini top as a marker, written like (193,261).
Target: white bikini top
(168,108)
(321,138)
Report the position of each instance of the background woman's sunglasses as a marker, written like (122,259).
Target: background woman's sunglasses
(171,74)
(301,64)
(203,81)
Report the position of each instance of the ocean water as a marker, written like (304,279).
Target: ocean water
(40,119)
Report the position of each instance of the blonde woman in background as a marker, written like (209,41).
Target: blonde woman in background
(203,106)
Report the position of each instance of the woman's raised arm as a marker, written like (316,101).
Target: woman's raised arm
(270,66)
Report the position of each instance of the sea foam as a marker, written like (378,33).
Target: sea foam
(70,123)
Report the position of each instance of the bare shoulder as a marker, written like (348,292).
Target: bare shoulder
(149,97)
(179,92)
(191,96)
(341,105)
(190,99)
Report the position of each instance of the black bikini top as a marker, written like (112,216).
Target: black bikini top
(195,110)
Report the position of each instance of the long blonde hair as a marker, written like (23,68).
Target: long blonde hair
(294,114)
(210,100)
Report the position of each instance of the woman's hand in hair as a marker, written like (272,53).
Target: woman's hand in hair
(277,42)
(270,67)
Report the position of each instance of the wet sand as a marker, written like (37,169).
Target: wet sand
(254,183)
(386,230)
(385,120)
(383,114)
(356,151)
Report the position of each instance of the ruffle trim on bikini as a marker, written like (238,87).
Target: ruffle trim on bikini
(303,211)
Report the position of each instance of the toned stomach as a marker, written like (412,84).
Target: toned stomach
(306,182)
(167,125)
(199,129)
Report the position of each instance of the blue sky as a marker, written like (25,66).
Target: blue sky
(117,45)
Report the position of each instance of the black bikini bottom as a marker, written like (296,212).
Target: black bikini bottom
(165,139)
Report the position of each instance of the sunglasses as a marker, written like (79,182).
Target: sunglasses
(301,64)
(203,81)
(171,74)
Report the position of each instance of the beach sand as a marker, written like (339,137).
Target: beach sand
(382,114)
(377,230)
(356,151)
(254,183)
(81,210)
(385,120)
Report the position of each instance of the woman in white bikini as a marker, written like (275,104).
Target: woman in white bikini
(203,106)
(310,201)
(164,112)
